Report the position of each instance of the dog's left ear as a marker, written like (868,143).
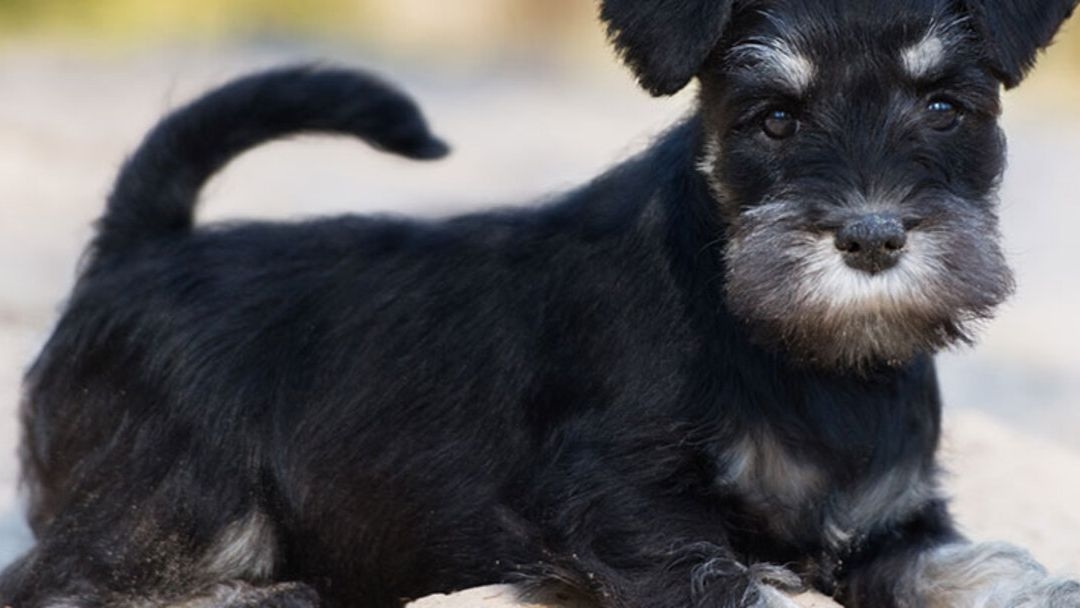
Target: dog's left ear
(1016,30)
(665,42)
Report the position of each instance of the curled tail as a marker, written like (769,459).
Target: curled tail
(158,187)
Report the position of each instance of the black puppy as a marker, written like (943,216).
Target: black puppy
(701,380)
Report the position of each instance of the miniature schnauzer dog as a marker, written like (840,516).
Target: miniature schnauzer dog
(704,379)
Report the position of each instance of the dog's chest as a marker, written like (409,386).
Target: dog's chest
(798,499)
(767,477)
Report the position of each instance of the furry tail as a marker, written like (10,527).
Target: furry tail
(158,187)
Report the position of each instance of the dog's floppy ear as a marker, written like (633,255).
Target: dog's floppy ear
(665,42)
(1016,30)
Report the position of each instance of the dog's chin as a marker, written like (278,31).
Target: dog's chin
(809,305)
(858,340)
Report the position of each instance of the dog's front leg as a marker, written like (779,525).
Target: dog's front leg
(699,575)
(926,564)
(644,537)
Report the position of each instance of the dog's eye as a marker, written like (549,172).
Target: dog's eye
(943,115)
(780,124)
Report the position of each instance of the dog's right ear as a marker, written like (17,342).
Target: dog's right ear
(1015,31)
(665,42)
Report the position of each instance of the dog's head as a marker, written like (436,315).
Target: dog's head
(853,151)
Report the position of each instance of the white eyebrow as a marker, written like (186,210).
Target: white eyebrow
(925,56)
(777,56)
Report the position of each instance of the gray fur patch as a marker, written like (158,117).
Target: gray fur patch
(765,473)
(988,575)
(879,502)
(246,549)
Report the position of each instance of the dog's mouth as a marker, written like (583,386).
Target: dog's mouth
(851,283)
(828,301)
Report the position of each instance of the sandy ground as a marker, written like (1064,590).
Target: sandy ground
(65,123)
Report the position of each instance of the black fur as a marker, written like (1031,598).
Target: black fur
(1014,31)
(623,392)
(665,41)
(157,188)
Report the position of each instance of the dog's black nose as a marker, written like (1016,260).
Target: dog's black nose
(872,243)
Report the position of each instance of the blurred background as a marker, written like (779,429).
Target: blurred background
(534,102)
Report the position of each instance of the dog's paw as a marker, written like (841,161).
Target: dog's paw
(1049,593)
(771,597)
(243,595)
(725,583)
(771,586)
(989,575)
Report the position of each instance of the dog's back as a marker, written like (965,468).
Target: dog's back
(131,410)
(149,217)
(241,385)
